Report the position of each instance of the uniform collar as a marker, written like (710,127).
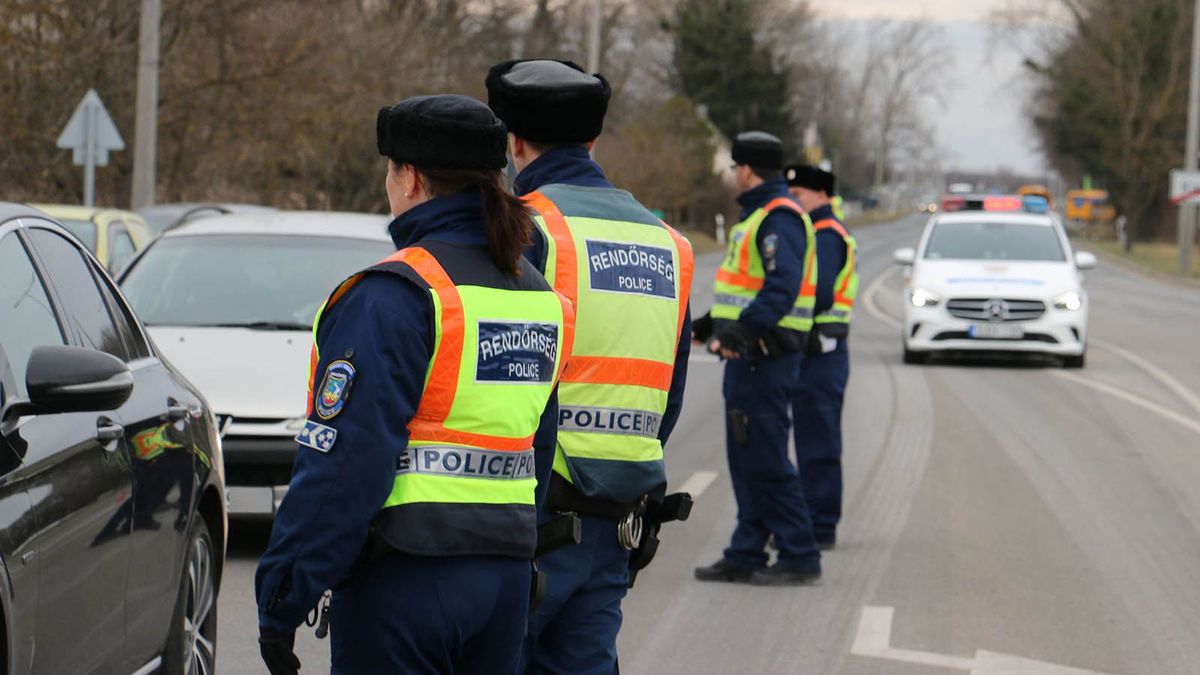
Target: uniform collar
(757,197)
(456,218)
(565,164)
(822,213)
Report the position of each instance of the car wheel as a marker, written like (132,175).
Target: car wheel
(914,358)
(192,644)
(1075,361)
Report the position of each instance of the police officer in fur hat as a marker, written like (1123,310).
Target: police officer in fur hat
(623,388)
(431,421)
(762,312)
(820,390)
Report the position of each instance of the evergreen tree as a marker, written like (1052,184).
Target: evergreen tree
(724,65)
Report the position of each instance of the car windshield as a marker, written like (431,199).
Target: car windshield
(993,241)
(267,282)
(84,230)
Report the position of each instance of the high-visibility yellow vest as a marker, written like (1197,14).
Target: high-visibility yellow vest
(629,276)
(742,273)
(465,484)
(835,321)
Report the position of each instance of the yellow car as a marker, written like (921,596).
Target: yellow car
(113,235)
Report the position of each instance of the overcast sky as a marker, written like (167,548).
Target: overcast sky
(983,125)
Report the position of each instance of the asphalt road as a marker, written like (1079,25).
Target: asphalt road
(999,517)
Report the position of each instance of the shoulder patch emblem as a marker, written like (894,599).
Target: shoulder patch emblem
(317,436)
(770,245)
(335,389)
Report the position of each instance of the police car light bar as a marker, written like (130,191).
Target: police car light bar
(1009,203)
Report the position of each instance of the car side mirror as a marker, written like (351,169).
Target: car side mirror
(63,379)
(1085,260)
(904,256)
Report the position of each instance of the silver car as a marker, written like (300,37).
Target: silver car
(230,302)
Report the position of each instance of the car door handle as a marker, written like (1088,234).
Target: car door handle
(176,410)
(108,431)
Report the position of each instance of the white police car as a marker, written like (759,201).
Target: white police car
(998,275)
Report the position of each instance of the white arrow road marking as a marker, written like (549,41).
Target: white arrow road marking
(874,640)
(698,483)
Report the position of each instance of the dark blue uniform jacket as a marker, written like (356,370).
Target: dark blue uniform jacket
(572,165)
(384,326)
(831,257)
(781,243)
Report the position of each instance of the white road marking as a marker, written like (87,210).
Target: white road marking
(869,299)
(1140,402)
(698,483)
(874,639)
(1181,390)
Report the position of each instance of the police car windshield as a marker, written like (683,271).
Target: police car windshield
(994,241)
(262,282)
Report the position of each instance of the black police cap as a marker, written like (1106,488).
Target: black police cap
(547,101)
(810,177)
(759,150)
(446,131)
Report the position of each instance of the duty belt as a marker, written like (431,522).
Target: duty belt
(564,497)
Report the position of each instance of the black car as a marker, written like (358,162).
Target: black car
(112,505)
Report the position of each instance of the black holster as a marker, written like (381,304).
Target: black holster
(656,511)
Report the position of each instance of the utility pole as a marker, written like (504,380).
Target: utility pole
(594,36)
(145,138)
(1187,212)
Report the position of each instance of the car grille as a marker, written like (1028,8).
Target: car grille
(995,309)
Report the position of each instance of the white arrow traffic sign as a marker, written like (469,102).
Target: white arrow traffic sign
(875,636)
(1185,186)
(90,134)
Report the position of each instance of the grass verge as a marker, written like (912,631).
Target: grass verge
(1156,257)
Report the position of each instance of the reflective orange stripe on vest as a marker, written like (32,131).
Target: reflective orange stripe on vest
(428,424)
(743,279)
(607,369)
(839,293)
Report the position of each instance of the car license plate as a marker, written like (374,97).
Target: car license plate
(258,501)
(995,331)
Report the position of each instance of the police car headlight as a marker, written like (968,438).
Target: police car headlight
(923,298)
(1070,301)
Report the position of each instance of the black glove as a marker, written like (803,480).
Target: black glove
(277,649)
(702,328)
(734,337)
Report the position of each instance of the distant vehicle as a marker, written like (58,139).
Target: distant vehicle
(928,204)
(164,216)
(1089,206)
(1001,279)
(231,302)
(112,505)
(1036,191)
(112,235)
(960,188)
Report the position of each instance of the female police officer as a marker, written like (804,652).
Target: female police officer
(431,388)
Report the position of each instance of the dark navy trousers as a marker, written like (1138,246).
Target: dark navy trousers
(817,418)
(770,496)
(418,615)
(574,631)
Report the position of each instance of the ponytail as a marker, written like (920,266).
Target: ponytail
(508,222)
(506,219)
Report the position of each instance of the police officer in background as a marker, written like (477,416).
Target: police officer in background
(817,398)
(629,276)
(413,492)
(764,295)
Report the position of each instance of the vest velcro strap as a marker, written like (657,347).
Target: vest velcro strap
(566,274)
(746,281)
(831,224)
(616,370)
(436,432)
(687,267)
(442,383)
